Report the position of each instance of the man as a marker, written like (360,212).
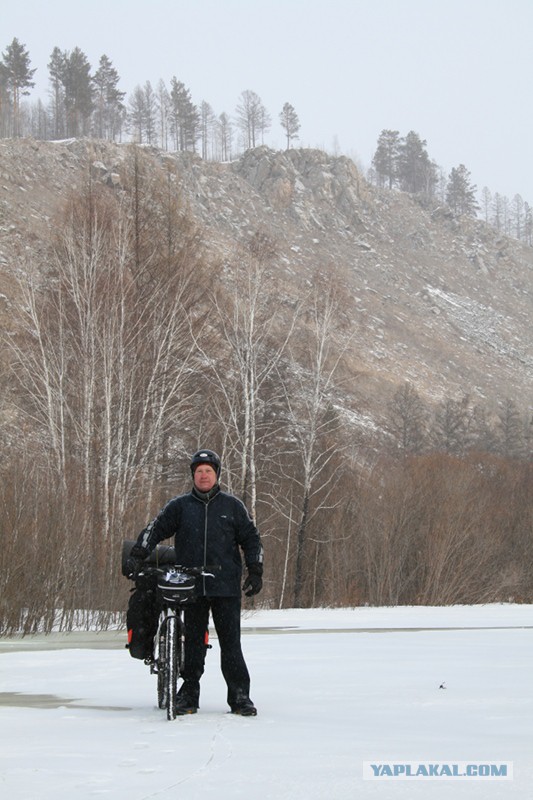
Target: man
(210,528)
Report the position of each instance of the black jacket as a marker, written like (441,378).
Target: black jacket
(209,529)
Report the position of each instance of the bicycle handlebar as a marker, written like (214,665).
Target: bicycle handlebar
(162,558)
(205,572)
(196,571)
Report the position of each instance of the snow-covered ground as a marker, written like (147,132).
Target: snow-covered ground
(335,690)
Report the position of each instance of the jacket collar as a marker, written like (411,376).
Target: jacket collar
(205,497)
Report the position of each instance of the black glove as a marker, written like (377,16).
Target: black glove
(134,561)
(254,580)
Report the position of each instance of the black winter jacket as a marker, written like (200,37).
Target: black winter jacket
(208,529)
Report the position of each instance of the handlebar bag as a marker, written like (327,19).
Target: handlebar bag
(176,588)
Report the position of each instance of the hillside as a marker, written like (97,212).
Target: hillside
(446,305)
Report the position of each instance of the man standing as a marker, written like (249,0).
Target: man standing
(210,527)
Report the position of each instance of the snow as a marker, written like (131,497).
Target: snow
(334,689)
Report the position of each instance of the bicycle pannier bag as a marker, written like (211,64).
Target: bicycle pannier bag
(141,621)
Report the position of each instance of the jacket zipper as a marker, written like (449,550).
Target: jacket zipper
(205,544)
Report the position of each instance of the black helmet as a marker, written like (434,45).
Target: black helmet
(206,457)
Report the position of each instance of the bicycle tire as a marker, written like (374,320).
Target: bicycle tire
(161,666)
(180,649)
(171,672)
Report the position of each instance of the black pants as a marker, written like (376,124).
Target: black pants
(226,613)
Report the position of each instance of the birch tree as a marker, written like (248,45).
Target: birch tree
(248,321)
(314,427)
(106,366)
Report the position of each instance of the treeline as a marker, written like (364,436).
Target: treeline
(403,162)
(87,103)
(457,426)
(130,348)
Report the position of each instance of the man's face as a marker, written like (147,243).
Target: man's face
(205,477)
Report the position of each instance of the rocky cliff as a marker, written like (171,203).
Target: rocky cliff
(443,303)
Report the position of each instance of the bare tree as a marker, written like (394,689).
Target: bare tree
(224,136)
(164,110)
(103,379)
(407,419)
(248,321)
(107,363)
(451,425)
(510,430)
(137,114)
(486,202)
(207,122)
(252,118)
(314,425)
(518,215)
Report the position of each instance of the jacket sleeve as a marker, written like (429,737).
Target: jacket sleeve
(161,527)
(248,536)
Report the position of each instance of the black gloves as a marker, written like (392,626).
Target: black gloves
(134,561)
(254,580)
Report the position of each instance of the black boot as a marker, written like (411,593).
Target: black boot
(187,700)
(243,706)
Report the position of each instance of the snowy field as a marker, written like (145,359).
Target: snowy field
(335,690)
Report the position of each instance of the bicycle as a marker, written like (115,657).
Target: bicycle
(175,589)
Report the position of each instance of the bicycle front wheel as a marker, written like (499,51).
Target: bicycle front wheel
(171,672)
(161,668)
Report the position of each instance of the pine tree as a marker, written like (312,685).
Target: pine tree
(16,78)
(4,102)
(290,123)
(109,108)
(460,193)
(185,117)
(78,92)
(56,70)
(417,174)
(386,158)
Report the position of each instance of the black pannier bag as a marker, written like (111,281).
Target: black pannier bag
(143,607)
(141,620)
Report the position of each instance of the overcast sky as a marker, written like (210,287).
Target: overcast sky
(458,72)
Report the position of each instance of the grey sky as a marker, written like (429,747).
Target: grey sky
(458,72)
